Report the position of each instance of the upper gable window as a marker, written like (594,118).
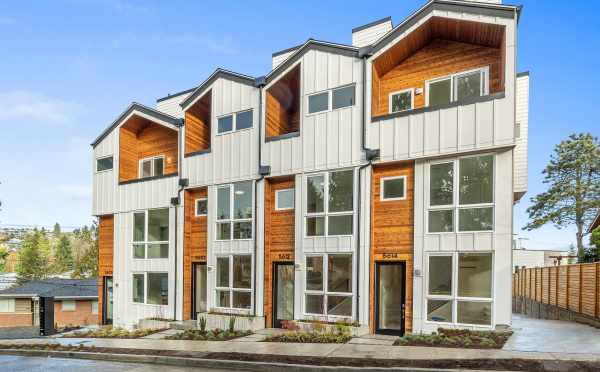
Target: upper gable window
(343,97)
(458,87)
(152,167)
(238,121)
(332,99)
(401,101)
(318,102)
(104,164)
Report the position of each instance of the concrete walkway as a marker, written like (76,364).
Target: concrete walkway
(552,336)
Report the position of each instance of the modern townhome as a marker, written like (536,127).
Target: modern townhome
(371,183)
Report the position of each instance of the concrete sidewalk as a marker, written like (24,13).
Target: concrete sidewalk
(350,350)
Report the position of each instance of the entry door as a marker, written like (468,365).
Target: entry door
(198,289)
(107,304)
(283,293)
(390,279)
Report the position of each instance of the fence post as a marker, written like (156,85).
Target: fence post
(580,310)
(597,300)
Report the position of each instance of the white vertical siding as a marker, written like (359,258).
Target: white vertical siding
(104,184)
(171,106)
(371,34)
(522,121)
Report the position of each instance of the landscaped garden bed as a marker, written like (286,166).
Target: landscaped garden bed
(457,338)
(112,332)
(212,335)
(311,337)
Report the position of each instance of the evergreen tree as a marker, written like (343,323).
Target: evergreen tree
(86,262)
(56,230)
(572,252)
(63,256)
(33,261)
(573,195)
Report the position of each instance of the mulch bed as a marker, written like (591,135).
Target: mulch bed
(212,335)
(481,364)
(457,338)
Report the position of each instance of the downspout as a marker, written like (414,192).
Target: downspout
(259,83)
(370,155)
(175,202)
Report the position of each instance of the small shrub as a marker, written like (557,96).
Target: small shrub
(311,337)
(202,323)
(459,338)
(232,324)
(212,335)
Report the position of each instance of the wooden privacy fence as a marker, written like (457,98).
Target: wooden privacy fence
(571,287)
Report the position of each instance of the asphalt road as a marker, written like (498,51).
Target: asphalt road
(9,363)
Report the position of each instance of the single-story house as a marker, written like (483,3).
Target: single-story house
(75,302)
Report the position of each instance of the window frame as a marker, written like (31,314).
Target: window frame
(12,305)
(152,170)
(325,213)
(484,83)
(68,309)
(454,298)
(412,100)
(105,157)
(231,220)
(94,304)
(234,122)
(324,292)
(196,214)
(391,178)
(277,192)
(145,275)
(230,288)
(329,99)
(146,242)
(456,206)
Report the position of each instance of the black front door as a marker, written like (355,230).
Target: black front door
(390,283)
(283,292)
(47,316)
(107,304)
(198,289)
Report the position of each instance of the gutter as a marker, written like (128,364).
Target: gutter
(176,202)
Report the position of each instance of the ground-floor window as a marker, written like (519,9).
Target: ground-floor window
(459,288)
(67,305)
(328,285)
(150,288)
(234,282)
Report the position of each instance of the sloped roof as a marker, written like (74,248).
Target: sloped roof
(65,288)
(134,106)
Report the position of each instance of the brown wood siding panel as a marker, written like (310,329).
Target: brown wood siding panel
(106,227)
(279,238)
(197,125)
(588,289)
(194,244)
(282,105)
(140,139)
(392,227)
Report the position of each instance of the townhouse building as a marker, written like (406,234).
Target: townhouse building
(371,183)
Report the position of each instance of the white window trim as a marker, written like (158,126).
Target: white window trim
(412,100)
(232,220)
(231,288)
(485,82)
(152,170)
(325,214)
(324,292)
(196,213)
(456,206)
(329,100)
(146,242)
(453,297)
(62,305)
(277,192)
(234,122)
(145,275)
(104,157)
(381,188)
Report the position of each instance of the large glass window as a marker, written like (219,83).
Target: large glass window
(329,285)
(234,282)
(467,207)
(152,167)
(457,87)
(151,234)
(469,300)
(150,288)
(336,216)
(234,211)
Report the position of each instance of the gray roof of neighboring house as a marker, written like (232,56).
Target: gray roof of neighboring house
(65,288)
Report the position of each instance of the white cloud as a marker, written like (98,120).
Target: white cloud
(26,105)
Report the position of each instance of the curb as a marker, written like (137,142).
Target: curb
(206,363)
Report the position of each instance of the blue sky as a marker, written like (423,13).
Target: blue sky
(68,68)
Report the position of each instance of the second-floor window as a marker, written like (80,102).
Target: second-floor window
(234,211)
(462,201)
(104,163)
(234,122)
(151,234)
(401,101)
(151,167)
(330,204)
(457,87)
(331,99)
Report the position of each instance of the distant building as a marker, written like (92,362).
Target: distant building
(526,258)
(14,244)
(7,280)
(10,262)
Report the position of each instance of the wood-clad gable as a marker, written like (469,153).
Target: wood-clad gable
(140,138)
(279,237)
(283,105)
(198,124)
(392,228)
(106,226)
(194,244)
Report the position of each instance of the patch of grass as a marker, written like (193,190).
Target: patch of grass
(212,335)
(113,332)
(311,337)
(457,338)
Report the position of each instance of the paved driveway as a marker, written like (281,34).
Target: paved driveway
(552,336)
